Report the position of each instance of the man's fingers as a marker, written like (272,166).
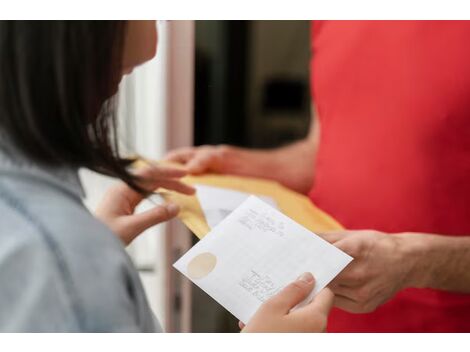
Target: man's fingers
(344,291)
(351,276)
(241,325)
(292,294)
(332,236)
(347,304)
(345,287)
(140,222)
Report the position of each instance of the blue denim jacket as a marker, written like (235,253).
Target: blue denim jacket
(60,268)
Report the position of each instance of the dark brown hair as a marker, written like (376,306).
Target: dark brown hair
(57,79)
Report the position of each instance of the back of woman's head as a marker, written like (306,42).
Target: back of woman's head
(57,79)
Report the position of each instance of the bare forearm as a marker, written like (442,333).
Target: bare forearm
(439,262)
(292,165)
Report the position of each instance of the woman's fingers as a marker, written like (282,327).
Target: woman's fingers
(120,197)
(322,302)
(165,177)
(276,314)
(177,186)
(182,155)
(314,316)
(161,172)
(150,177)
(292,294)
(137,223)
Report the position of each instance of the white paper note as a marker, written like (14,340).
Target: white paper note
(217,203)
(253,253)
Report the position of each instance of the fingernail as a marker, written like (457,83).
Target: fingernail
(306,277)
(172,208)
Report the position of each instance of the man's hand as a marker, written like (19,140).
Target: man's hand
(275,314)
(285,165)
(379,270)
(198,160)
(119,203)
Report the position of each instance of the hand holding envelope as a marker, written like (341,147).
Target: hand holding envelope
(251,253)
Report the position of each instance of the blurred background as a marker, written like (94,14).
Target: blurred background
(243,83)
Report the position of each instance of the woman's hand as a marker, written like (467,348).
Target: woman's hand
(118,204)
(275,314)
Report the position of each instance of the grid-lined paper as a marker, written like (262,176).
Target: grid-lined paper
(259,250)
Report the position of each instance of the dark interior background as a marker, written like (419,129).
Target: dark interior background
(251,90)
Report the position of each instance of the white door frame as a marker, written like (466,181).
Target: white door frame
(179,65)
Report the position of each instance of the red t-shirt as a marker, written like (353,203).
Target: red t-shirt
(394,105)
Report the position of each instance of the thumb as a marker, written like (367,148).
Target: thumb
(292,294)
(138,223)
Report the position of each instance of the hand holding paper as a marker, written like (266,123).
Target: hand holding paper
(277,315)
(254,253)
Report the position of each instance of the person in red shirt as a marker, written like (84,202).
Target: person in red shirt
(388,156)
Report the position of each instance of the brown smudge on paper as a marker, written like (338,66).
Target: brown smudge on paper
(201,265)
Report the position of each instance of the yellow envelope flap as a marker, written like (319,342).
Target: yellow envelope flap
(297,206)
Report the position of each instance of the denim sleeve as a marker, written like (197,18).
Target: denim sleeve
(32,297)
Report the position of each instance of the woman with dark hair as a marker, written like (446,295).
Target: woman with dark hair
(61,269)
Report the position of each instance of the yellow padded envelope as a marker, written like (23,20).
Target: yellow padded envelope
(297,206)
